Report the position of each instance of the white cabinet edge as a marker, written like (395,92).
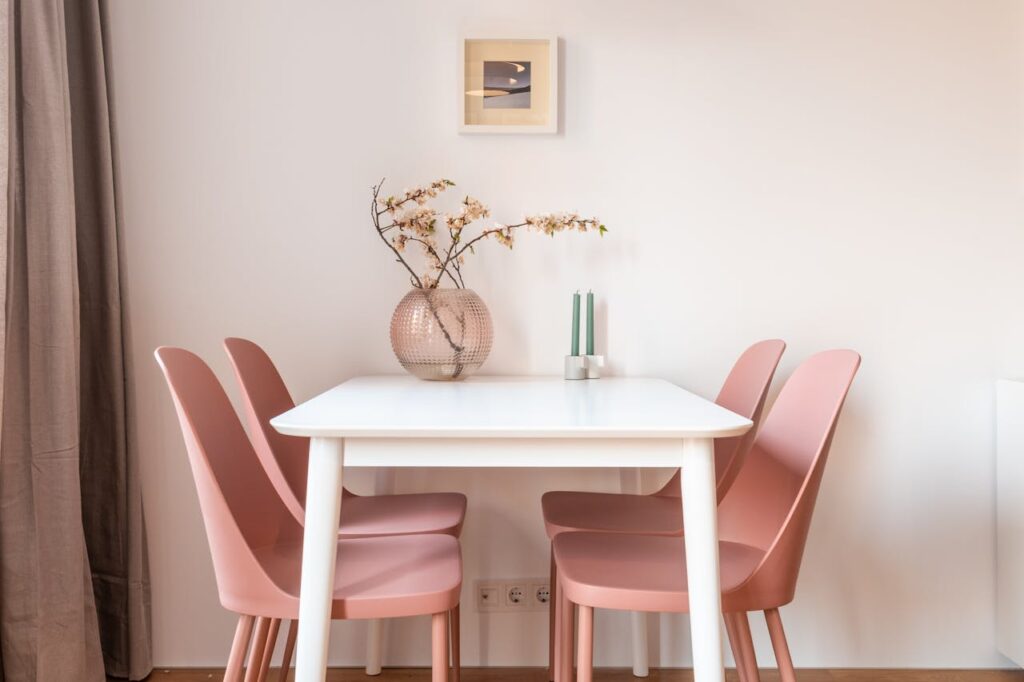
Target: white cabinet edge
(1010,519)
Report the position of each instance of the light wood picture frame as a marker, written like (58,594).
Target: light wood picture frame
(508,85)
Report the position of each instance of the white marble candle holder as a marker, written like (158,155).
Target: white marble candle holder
(583,366)
(575,367)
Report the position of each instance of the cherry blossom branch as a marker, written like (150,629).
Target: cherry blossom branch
(418,224)
(376,223)
(458,271)
(430,249)
(485,234)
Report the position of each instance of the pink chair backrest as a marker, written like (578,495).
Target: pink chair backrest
(744,393)
(265,396)
(771,502)
(240,507)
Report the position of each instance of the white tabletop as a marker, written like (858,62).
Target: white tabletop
(509,407)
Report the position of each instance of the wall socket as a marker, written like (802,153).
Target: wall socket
(512,595)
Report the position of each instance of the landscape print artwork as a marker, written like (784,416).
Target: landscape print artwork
(506,85)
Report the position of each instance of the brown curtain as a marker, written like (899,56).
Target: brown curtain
(111,496)
(73,576)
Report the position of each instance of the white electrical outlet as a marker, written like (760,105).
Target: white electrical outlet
(512,595)
(515,596)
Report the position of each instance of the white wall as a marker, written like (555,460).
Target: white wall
(832,173)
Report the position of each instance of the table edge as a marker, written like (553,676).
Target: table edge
(487,432)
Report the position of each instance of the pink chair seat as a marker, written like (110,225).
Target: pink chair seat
(566,511)
(641,572)
(406,514)
(382,577)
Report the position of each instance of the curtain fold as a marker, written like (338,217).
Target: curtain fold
(74,594)
(111,497)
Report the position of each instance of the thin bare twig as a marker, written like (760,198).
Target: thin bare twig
(458,271)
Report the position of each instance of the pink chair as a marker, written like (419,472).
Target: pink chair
(286,457)
(763,524)
(256,542)
(744,393)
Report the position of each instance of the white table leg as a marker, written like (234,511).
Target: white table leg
(639,622)
(630,484)
(319,548)
(374,638)
(383,484)
(700,516)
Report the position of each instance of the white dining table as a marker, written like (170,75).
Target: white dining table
(400,421)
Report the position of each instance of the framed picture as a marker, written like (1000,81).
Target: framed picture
(508,85)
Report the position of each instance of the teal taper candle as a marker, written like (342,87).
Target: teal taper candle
(576,323)
(590,323)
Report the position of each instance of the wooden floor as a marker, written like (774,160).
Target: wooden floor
(619,675)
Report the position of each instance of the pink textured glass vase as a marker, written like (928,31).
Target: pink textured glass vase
(441,334)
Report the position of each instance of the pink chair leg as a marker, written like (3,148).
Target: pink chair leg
(734,644)
(439,647)
(289,649)
(585,652)
(456,638)
(552,622)
(556,637)
(565,643)
(238,646)
(259,640)
(742,642)
(779,644)
(268,649)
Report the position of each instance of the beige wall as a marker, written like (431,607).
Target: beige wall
(833,173)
